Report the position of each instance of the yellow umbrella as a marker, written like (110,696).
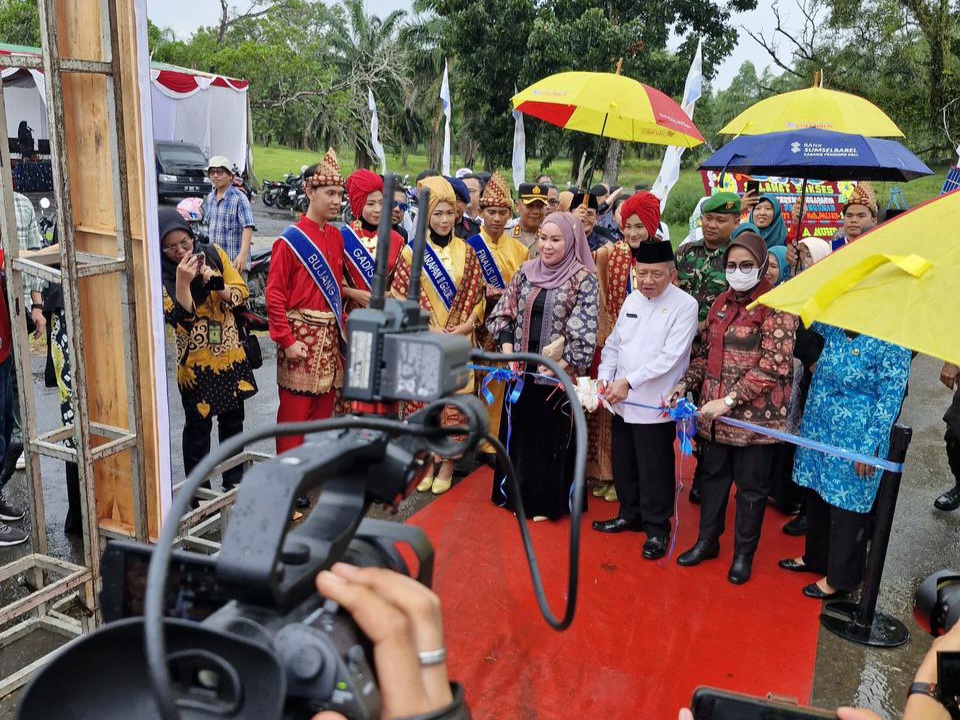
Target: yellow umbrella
(814,107)
(609,105)
(897,283)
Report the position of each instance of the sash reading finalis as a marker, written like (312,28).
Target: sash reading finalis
(439,277)
(491,273)
(318,269)
(359,257)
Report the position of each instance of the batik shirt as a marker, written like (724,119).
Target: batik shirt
(854,400)
(700,273)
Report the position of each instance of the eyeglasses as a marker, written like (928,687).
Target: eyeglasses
(553,203)
(401,206)
(746,266)
(218,171)
(185,244)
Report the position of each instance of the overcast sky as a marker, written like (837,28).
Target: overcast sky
(184,16)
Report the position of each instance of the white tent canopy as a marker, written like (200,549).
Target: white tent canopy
(188,106)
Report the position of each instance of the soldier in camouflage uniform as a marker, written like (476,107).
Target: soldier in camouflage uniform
(701,273)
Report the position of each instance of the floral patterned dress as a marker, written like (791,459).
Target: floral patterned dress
(857,391)
(536,429)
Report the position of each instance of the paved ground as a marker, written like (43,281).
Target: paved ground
(923,541)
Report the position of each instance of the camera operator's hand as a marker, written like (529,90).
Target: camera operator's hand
(847,713)
(921,707)
(402,618)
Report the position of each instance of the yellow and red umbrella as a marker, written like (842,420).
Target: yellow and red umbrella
(609,105)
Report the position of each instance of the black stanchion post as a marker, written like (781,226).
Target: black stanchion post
(860,622)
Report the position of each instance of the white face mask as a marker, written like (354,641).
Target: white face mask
(742,281)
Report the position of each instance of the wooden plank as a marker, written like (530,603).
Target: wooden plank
(87,134)
(43,595)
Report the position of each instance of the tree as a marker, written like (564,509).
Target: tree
(20,22)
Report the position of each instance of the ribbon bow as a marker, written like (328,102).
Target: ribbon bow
(684,414)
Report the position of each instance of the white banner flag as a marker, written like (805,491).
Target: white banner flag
(375,132)
(670,169)
(519,148)
(445,98)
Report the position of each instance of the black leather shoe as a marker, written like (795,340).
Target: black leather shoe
(655,547)
(813,591)
(616,525)
(488,459)
(740,569)
(949,501)
(694,496)
(796,527)
(794,566)
(303,502)
(703,550)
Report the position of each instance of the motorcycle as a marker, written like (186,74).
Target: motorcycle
(271,189)
(254,312)
(241,183)
(192,211)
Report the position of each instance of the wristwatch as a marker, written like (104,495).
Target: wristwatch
(728,401)
(923,688)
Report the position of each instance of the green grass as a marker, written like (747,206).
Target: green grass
(273,162)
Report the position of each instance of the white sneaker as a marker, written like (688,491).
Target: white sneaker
(22,462)
(11,536)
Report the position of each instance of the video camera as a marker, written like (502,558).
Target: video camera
(244,634)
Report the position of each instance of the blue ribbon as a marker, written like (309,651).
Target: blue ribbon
(685,414)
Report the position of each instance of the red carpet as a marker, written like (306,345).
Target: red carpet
(644,636)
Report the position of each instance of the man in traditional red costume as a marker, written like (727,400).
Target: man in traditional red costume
(305,305)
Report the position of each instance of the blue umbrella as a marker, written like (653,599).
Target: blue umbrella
(821,154)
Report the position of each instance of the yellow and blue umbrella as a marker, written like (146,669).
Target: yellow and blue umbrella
(814,107)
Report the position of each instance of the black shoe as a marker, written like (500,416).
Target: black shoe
(303,502)
(813,591)
(703,550)
(655,547)
(793,566)
(10,513)
(796,527)
(694,496)
(14,451)
(740,569)
(949,501)
(616,525)
(488,459)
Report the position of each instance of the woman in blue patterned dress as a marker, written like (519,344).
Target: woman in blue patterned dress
(858,388)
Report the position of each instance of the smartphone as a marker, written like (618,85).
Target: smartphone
(713,704)
(948,676)
(753,186)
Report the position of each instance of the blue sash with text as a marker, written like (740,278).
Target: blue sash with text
(318,269)
(439,277)
(358,255)
(491,273)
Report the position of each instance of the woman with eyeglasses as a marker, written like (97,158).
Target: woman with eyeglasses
(201,288)
(743,369)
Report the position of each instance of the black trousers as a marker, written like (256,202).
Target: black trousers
(196,441)
(836,542)
(643,472)
(952,436)
(784,492)
(748,467)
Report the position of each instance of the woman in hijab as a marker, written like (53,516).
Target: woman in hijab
(786,495)
(550,307)
(200,290)
(767,215)
(777,264)
(452,291)
(742,368)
